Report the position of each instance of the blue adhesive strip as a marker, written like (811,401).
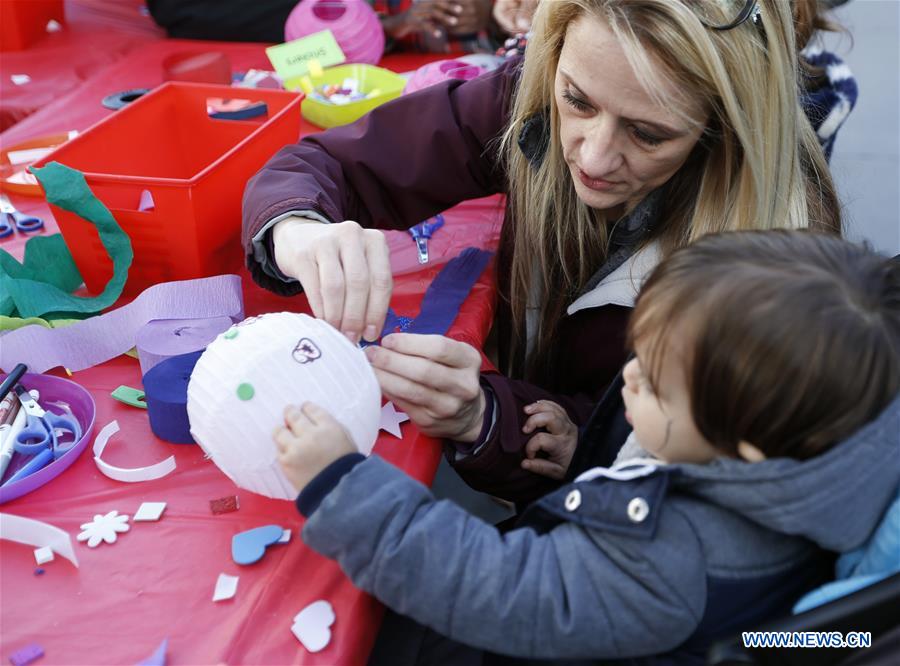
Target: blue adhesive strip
(449,289)
(165,390)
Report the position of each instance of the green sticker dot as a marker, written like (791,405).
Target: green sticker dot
(231,334)
(245,391)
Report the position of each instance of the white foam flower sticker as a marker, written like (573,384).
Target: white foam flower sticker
(103,528)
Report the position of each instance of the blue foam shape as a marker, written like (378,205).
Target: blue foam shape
(250,546)
(158,658)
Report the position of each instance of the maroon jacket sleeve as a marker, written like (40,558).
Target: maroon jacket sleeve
(402,163)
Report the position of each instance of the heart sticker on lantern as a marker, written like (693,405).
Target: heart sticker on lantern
(306,351)
(312,625)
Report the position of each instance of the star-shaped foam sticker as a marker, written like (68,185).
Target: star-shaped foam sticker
(391,419)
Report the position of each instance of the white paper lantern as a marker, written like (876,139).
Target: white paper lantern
(251,372)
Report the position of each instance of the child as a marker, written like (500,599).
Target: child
(765,388)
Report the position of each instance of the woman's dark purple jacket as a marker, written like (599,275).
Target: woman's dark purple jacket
(402,163)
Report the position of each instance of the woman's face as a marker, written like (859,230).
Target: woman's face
(618,143)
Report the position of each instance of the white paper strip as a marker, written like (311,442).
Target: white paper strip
(128,475)
(37,533)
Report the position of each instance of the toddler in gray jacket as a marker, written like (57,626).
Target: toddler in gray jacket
(764,395)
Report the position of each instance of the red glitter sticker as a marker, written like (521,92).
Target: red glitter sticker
(224,504)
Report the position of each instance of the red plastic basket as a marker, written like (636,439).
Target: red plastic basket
(23,22)
(195,168)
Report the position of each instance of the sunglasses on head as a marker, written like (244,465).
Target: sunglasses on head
(724,14)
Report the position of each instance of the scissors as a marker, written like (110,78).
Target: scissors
(422,232)
(41,434)
(11,218)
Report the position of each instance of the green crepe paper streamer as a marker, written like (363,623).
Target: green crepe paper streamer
(66,188)
(47,259)
(13,323)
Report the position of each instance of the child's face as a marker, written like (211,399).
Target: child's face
(661,418)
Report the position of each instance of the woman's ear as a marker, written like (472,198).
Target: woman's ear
(750,453)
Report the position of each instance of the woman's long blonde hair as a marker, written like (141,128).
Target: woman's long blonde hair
(758,164)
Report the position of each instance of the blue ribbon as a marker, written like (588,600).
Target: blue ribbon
(443,298)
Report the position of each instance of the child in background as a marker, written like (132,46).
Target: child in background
(422,25)
(765,391)
(438,26)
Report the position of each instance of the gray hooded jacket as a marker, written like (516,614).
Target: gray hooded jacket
(650,563)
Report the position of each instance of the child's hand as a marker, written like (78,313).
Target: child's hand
(309,441)
(558,443)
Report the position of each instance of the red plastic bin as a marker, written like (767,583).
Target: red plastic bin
(23,22)
(195,168)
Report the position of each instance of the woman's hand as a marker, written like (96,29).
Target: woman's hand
(345,271)
(558,442)
(309,441)
(515,16)
(435,380)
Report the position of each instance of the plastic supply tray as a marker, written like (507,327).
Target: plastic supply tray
(370,78)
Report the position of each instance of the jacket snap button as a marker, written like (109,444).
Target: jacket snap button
(638,510)
(573,500)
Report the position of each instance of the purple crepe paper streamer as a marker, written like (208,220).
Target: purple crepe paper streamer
(447,292)
(164,338)
(165,387)
(158,658)
(101,338)
(26,655)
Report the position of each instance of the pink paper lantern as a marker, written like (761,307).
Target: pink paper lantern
(442,70)
(353,23)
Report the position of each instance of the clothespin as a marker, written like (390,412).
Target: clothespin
(422,232)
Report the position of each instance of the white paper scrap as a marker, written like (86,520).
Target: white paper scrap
(150,511)
(226,587)
(312,625)
(35,533)
(128,475)
(285,536)
(43,555)
(28,155)
(20,79)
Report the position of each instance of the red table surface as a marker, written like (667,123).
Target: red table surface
(157,580)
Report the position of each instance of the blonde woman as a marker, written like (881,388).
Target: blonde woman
(632,127)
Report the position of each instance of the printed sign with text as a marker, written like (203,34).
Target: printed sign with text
(292,58)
